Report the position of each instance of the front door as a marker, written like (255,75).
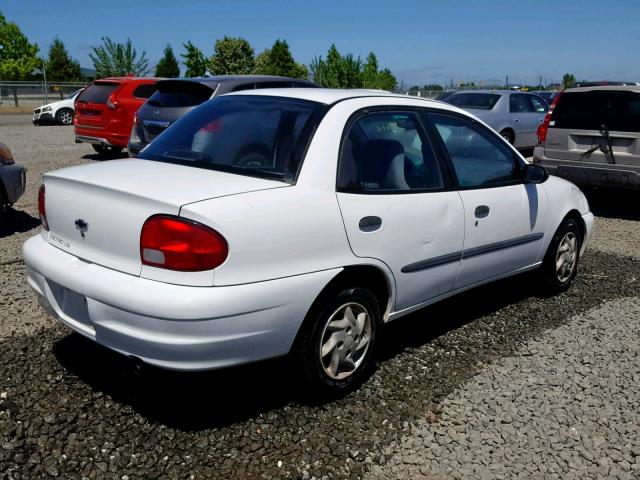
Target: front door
(504,217)
(392,191)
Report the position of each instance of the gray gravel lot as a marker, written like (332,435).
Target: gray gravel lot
(71,409)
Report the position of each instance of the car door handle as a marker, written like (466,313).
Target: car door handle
(370,224)
(482,211)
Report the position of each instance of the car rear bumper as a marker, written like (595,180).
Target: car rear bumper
(100,136)
(592,174)
(14,180)
(172,326)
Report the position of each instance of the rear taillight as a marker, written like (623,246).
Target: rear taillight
(111,102)
(41,208)
(134,137)
(176,243)
(543,128)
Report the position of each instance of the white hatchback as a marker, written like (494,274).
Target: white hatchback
(295,221)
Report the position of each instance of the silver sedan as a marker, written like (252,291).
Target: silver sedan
(515,115)
(12,178)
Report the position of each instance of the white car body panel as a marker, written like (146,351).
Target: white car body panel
(286,244)
(53,108)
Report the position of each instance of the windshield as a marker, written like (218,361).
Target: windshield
(482,101)
(73,94)
(247,134)
(618,110)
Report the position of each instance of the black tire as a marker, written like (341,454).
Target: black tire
(507,135)
(553,279)
(307,354)
(105,151)
(64,116)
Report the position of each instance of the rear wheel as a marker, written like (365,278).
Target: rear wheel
(335,349)
(64,116)
(106,151)
(507,135)
(560,264)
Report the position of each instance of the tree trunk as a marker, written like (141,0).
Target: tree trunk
(15,95)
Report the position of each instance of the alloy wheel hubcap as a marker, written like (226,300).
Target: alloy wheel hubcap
(566,257)
(66,118)
(345,341)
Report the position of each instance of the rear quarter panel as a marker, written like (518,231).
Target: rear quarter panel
(275,233)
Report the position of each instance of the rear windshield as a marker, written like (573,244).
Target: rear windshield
(98,92)
(181,94)
(481,101)
(617,110)
(247,134)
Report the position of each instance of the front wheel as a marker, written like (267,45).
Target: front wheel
(106,151)
(335,348)
(560,264)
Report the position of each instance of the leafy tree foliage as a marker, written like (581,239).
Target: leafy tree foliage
(278,60)
(113,59)
(60,66)
(568,80)
(347,71)
(18,57)
(432,87)
(194,60)
(168,64)
(232,56)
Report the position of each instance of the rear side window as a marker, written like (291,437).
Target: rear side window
(478,157)
(617,110)
(387,152)
(180,94)
(482,101)
(98,92)
(145,90)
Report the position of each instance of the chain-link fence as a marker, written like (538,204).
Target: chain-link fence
(34,94)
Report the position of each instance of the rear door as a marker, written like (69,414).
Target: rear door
(504,218)
(576,129)
(396,205)
(91,105)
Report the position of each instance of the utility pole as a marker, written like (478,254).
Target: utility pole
(506,83)
(44,73)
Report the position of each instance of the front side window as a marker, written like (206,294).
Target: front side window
(478,157)
(538,104)
(387,152)
(245,134)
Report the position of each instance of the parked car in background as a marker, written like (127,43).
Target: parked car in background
(443,95)
(60,112)
(175,97)
(591,136)
(295,221)
(547,95)
(13,178)
(105,110)
(515,115)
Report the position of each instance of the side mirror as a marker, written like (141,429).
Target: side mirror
(534,173)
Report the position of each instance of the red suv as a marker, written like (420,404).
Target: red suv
(105,110)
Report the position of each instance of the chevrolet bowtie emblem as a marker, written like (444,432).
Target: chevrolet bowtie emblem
(82,226)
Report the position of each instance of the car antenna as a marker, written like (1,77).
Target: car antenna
(605,132)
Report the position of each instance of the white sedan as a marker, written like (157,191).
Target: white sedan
(295,221)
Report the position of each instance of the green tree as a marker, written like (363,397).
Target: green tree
(113,59)
(60,66)
(232,56)
(194,60)
(432,87)
(337,71)
(568,80)
(370,72)
(278,60)
(168,64)
(18,57)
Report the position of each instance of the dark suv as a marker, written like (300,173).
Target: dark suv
(176,97)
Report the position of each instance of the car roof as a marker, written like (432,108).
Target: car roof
(330,96)
(236,79)
(127,79)
(497,92)
(606,88)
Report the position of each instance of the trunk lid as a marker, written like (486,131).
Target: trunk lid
(96,212)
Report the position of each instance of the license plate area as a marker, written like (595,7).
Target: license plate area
(72,304)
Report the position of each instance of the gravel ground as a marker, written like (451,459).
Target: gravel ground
(565,406)
(72,409)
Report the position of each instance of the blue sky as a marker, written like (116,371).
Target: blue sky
(421,41)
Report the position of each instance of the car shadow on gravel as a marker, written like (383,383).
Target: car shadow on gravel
(16,221)
(196,401)
(100,158)
(621,204)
